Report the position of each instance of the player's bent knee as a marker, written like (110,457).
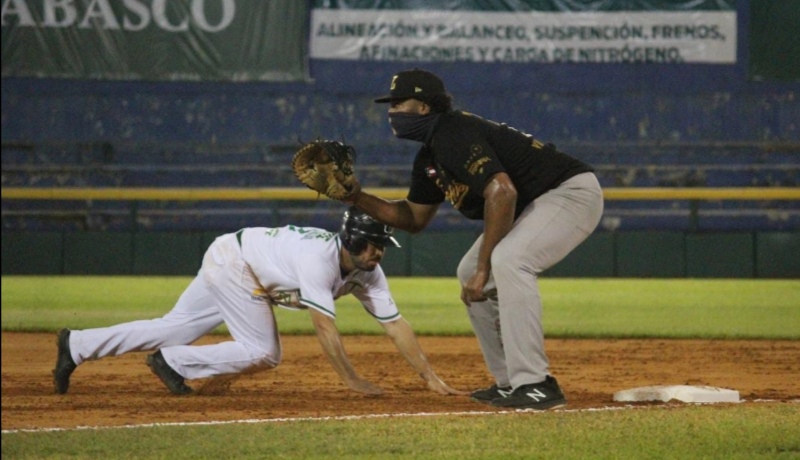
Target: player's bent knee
(263,358)
(270,360)
(464,271)
(263,362)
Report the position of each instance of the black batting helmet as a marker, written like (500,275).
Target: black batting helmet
(358,229)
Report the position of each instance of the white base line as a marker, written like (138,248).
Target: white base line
(362,417)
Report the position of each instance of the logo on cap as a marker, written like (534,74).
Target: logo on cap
(413,83)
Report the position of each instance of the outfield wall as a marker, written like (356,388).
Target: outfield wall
(665,254)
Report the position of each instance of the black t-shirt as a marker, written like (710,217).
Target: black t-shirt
(465,150)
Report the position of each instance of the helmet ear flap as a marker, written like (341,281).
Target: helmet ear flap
(357,245)
(353,243)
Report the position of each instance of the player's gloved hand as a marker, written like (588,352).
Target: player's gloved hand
(326,167)
(363,386)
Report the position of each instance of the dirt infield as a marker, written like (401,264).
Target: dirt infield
(122,391)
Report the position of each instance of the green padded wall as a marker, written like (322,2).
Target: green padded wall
(167,253)
(438,253)
(624,254)
(93,253)
(720,255)
(593,258)
(35,253)
(650,255)
(778,255)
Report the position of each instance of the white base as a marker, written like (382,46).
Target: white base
(684,393)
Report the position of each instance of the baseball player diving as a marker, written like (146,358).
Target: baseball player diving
(537,204)
(243,276)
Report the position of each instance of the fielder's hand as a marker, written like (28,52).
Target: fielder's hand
(473,290)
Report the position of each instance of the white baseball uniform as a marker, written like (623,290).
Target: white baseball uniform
(244,274)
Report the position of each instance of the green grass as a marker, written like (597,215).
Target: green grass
(767,431)
(670,308)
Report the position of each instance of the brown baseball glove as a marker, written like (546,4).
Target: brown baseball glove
(327,167)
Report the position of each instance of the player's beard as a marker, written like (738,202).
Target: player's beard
(367,265)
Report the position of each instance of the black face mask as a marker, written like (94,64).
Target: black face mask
(412,126)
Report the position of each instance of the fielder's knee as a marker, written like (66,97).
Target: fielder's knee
(465,271)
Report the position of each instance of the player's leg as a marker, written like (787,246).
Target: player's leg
(249,319)
(549,229)
(193,316)
(485,319)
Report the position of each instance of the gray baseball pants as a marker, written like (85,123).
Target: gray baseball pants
(509,328)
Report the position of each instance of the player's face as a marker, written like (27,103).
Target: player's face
(369,258)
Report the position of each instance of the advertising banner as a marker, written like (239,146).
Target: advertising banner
(234,40)
(560,31)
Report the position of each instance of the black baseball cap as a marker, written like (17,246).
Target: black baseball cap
(414,83)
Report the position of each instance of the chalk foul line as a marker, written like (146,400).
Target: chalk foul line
(366,417)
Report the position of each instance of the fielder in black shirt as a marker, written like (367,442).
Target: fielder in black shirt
(537,205)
